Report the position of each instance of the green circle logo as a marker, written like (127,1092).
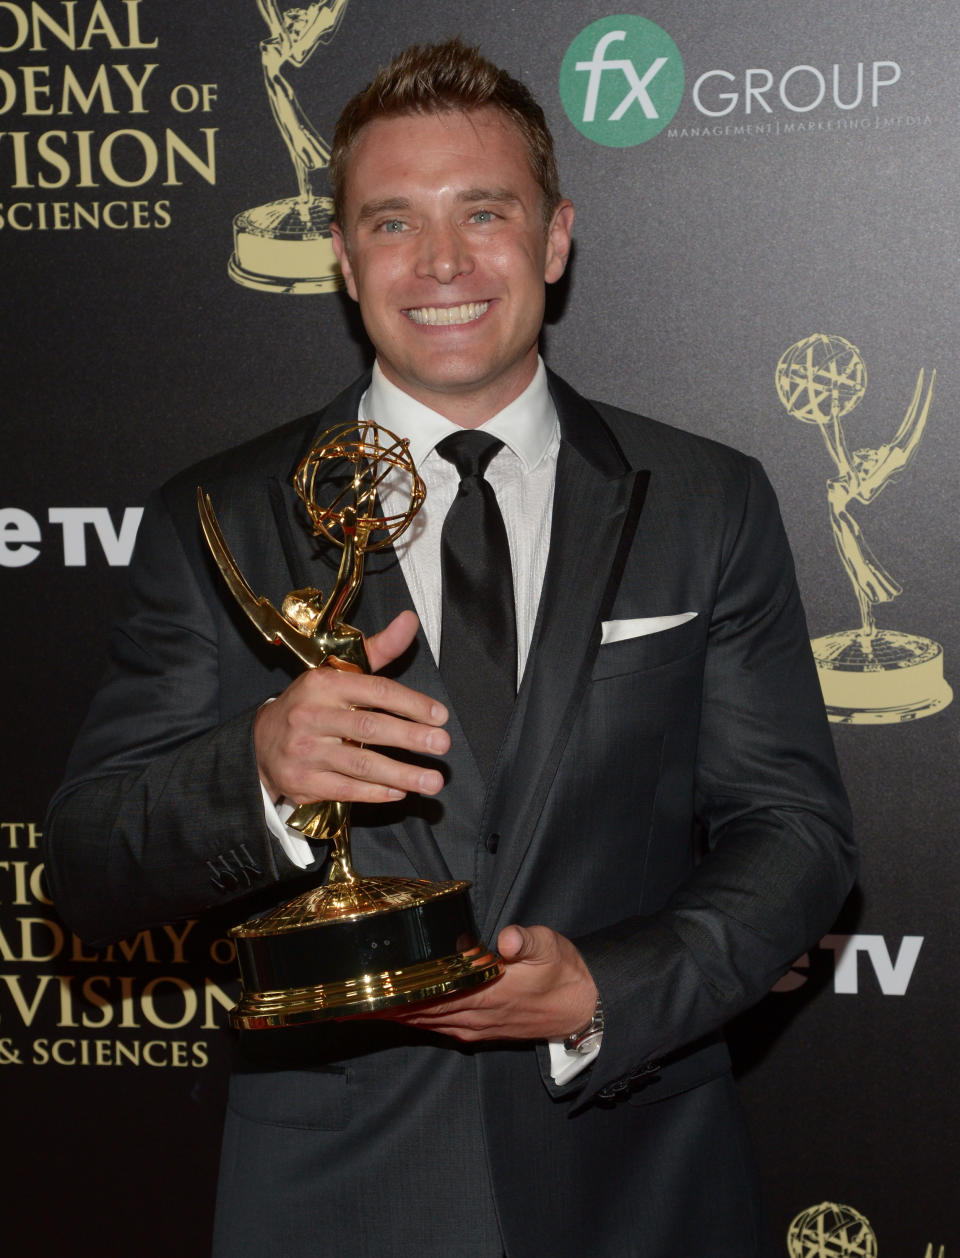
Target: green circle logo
(621,80)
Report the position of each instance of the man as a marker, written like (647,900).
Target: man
(657,833)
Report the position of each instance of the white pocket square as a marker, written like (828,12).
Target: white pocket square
(621,630)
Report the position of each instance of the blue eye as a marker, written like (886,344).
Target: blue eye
(483,216)
(393,225)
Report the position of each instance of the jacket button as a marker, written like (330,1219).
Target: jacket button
(491,843)
(613,1090)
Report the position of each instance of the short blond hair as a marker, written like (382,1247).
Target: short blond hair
(437,78)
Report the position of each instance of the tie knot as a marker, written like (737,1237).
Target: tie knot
(469,451)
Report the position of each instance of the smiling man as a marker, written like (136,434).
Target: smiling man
(449,270)
(614,730)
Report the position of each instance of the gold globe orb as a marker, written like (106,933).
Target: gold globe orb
(821,378)
(341,479)
(830,1230)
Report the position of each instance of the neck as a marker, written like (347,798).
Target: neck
(469,408)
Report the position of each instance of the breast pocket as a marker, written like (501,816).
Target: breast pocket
(649,650)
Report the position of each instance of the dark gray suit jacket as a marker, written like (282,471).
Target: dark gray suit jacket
(670,802)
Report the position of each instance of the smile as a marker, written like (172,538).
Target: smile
(445,316)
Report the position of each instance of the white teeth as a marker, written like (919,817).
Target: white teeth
(436,316)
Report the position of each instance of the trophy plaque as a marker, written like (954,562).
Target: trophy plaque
(285,245)
(356,944)
(869,675)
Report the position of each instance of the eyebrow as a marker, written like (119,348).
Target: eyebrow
(498,196)
(387,206)
(469,196)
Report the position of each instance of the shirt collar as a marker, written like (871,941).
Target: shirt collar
(527,425)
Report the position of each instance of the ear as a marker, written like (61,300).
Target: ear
(343,257)
(559,237)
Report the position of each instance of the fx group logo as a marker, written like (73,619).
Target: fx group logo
(621,80)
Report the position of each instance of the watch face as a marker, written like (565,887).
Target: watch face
(589,1043)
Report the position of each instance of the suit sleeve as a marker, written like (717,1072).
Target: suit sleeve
(778,856)
(160,816)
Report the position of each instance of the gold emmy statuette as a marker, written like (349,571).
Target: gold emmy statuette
(285,246)
(356,944)
(869,675)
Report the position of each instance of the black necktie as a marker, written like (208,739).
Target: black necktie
(478,633)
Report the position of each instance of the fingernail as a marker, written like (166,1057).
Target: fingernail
(430,783)
(436,741)
(392,793)
(438,712)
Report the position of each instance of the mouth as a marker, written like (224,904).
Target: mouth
(447,316)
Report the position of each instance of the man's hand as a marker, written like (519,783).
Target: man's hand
(307,741)
(546,993)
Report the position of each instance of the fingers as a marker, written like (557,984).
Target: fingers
(360,724)
(537,945)
(316,740)
(546,992)
(369,709)
(380,698)
(515,943)
(390,643)
(357,776)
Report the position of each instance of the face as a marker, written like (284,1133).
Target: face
(443,245)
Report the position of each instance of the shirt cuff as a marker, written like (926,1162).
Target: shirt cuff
(565,1066)
(292,841)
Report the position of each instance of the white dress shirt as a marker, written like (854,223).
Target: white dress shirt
(522,475)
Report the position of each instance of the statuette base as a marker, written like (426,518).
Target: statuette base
(285,246)
(350,948)
(880,679)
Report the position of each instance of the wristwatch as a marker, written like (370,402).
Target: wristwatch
(588,1039)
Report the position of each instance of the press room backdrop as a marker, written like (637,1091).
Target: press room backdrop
(766,253)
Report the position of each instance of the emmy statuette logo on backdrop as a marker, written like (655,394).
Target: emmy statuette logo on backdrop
(832,1230)
(869,675)
(285,246)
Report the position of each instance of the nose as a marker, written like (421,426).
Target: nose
(444,253)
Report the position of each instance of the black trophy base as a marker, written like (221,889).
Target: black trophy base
(352,948)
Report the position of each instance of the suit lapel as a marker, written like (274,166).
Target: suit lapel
(383,595)
(597,503)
